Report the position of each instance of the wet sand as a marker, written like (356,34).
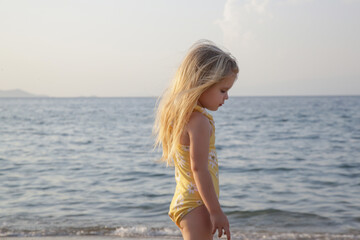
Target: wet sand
(82,238)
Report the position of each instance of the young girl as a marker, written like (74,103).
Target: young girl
(186,132)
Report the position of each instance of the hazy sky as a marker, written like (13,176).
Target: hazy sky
(109,48)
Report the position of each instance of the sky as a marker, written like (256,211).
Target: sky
(128,48)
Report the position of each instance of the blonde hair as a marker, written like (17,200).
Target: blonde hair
(204,65)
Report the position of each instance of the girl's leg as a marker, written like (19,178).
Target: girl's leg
(196,225)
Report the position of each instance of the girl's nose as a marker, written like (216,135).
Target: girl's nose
(226,96)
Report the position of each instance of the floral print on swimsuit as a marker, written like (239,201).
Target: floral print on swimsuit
(186,196)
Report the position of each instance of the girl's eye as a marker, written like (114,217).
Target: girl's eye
(223,91)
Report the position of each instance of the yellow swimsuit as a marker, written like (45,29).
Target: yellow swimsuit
(186,196)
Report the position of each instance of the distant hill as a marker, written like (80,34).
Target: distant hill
(17,93)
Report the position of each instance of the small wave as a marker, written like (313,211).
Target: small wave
(144,231)
(307,137)
(70,231)
(137,231)
(129,179)
(272,212)
(82,142)
(348,166)
(326,183)
(258,169)
(258,117)
(41,133)
(345,116)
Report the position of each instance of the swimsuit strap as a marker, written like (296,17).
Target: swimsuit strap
(203,111)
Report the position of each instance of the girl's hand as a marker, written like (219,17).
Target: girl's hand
(219,222)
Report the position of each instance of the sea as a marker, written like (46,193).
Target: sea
(289,168)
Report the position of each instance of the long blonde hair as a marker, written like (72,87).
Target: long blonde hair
(204,65)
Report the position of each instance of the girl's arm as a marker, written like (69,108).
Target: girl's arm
(199,130)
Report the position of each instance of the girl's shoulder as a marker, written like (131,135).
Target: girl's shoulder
(198,121)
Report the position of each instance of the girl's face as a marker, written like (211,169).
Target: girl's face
(215,96)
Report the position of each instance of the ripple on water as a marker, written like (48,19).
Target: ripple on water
(286,163)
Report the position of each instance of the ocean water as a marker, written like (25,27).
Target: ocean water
(289,168)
